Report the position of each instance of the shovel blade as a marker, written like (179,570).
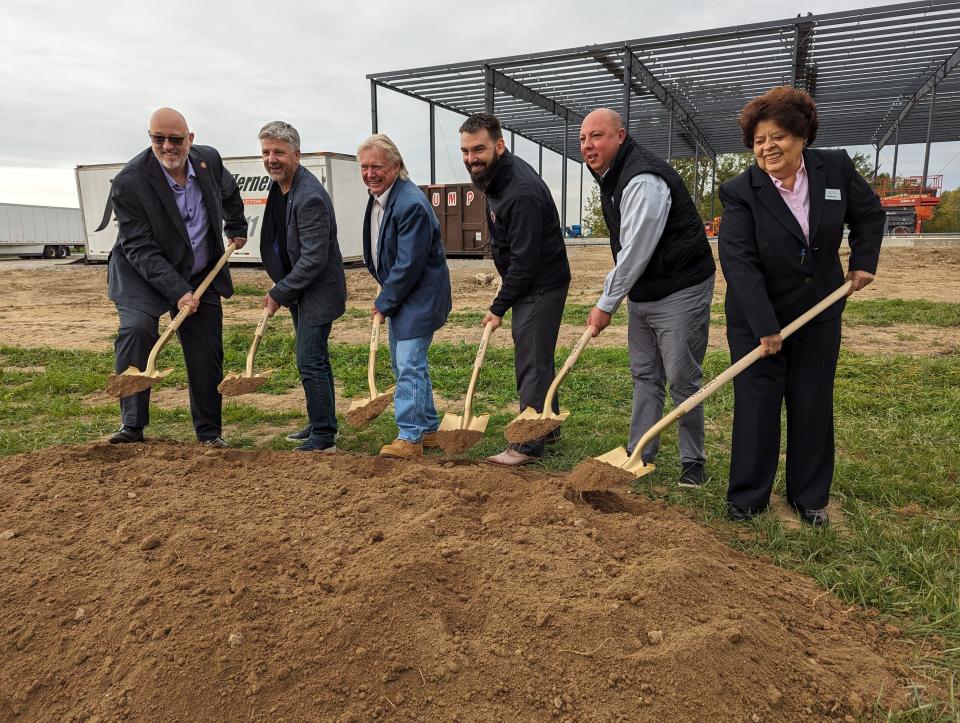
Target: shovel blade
(530,414)
(450,423)
(619,458)
(478,424)
(236,384)
(133,381)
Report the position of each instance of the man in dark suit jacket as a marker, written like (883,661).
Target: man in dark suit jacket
(299,249)
(403,251)
(174,202)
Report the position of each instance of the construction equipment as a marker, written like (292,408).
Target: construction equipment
(457,434)
(236,384)
(617,467)
(133,381)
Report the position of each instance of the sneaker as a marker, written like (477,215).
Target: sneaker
(429,440)
(301,436)
(402,449)
(216,443)
(691,475)
(126,435)
(315,445)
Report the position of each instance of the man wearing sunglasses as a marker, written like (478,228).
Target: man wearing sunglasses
(174,203)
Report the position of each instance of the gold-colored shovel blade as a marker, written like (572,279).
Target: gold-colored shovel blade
(530,425)
(362,411)
(236,384)
(612,469)
(454,438)
(133,381)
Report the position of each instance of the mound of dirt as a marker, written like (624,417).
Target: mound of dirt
(456,441)
(362,416)
(527,430)
(166,581)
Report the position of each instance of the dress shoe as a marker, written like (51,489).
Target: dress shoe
(126,435)
(402,449)
(740,514)
(315,445)
(691,475)
(815,518)
(216,443)
(301,436)
(511,458)
(429,440)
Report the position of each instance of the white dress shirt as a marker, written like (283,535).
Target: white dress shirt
(376,215)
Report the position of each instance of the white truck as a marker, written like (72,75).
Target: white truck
(339,173)
(47,231)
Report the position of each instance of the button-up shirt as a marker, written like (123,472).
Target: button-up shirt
(376,215)
(189,200)
(797,200)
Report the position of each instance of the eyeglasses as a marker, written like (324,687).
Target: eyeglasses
(159,140)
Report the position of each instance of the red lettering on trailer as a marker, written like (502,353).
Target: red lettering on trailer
(435,198)
(470,196)
(451,199)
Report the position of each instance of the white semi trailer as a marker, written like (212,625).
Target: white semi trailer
(338,172)
(47,231)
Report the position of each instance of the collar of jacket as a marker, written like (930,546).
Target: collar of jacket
(501,174)
(608,181)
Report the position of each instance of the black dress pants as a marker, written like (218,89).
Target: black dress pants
(201,336)
(535,327)
(802,375)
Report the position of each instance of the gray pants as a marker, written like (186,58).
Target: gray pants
(667,340)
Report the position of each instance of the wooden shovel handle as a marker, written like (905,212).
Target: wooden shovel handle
(567,366)
(257,336)
(185,312)
(481,353)
(372,358)
(730,372)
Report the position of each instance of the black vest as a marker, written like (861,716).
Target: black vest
(682,257)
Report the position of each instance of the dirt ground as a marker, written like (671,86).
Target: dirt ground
(171,582)
(66,306)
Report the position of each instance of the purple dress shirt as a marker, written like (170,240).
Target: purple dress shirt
(190,204)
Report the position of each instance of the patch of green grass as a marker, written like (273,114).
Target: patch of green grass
(889,312)
(897,426)
(240,289)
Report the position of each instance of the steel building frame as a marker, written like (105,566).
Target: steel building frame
(878,75)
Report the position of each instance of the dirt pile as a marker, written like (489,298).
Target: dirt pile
(361,416)
(166,581)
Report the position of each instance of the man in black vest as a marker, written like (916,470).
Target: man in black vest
(530,256)
(664,265)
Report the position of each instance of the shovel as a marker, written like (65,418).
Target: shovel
(133,381)
(457,434)
(616,467)
(236,384)
(530,424)
(361,411)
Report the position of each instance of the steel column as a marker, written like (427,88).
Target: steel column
(713,192)
(373,106)
(540,160)
(488,89)
(926,152)
(893,174)
(627,78)
(433,144)
(581,196)
(670,140)
(876,165)
(563,178)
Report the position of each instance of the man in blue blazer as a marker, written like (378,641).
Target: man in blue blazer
(298,245)
(403,251)
(174,202)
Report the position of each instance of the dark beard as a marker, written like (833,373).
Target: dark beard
(481,179)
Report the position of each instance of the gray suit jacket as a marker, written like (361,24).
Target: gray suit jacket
(150,265)
(316,282)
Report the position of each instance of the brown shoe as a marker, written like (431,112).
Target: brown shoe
(402,449)
(511,458)
(429,440)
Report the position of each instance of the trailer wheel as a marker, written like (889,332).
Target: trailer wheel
(49,252)
(61,252)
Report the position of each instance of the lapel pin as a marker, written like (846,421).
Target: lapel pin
(203,164)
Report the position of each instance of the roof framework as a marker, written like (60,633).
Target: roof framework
(873,73)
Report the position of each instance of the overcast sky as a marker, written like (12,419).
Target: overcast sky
(80,79)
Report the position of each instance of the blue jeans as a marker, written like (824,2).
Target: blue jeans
(413,398)
(313,362)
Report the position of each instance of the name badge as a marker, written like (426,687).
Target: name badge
(832,194)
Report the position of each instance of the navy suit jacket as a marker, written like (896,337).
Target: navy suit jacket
(151,262)
(772,274)
(316,281)
(411,265)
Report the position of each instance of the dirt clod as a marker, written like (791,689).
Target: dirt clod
(528,430)
(234,385)
(150,542)
(8,534)
(371,409)
(128,384)
(592,475)
(457,441)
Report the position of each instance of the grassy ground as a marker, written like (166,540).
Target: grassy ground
(897,549)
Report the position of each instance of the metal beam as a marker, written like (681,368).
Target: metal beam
(627,82)
(510,87)
(893,174)
(939,74)
(926,151)
(563,178)
(433,144)
(373,106)
(802,74)
(488,89)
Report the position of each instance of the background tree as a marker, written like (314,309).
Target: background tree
(946,216)
(593,216)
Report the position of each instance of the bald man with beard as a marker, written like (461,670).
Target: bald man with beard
(174,202)
(664,266)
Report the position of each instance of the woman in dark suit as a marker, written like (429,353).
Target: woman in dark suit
(779,240)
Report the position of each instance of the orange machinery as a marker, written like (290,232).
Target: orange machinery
(909,193)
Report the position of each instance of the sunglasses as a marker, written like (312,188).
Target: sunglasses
(159,140)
